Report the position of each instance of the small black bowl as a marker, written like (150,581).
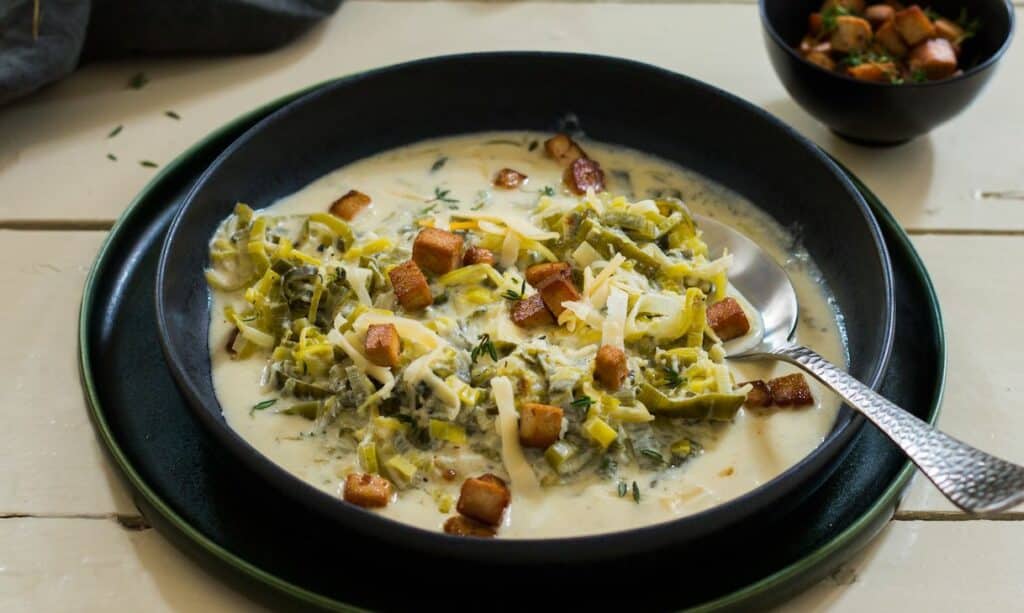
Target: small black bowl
(646,108)
(883,113)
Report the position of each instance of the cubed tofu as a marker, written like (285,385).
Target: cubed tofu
(508,178)
(484,499)
(349,205)
(935,58)
(411,287)
(727,319)
(610,367)
(913,25)
(851,34)
(437,251)
(890,40)
(563,149)
(538,273)
(853,6)
(367,490)
(383,345)
(821,59)
(539,424)
(878,72)
(530,312)
(584,175)
(879,14)
(464,526)
(477,255)
(556,290)
(951,31)
(759,394)
(815,24)
(790,391)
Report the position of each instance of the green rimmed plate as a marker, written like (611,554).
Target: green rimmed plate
(203,500)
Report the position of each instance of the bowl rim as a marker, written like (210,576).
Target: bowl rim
(637,539)
(769,27)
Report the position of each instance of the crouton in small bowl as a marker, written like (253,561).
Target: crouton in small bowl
(882,72)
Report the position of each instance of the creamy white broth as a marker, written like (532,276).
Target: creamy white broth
(737,456)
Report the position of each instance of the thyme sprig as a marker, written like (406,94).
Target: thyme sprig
(485,346)
(511,294)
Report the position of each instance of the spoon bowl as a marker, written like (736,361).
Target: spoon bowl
(970,478)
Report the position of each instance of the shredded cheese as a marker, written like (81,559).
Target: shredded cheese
(614,330)
(358,277)
(510,249)
(524,482)
(519,226)
(408,329)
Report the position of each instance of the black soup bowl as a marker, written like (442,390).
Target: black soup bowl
(883,113)
(613,100)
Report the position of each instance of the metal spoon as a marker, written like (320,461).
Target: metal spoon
(970,478)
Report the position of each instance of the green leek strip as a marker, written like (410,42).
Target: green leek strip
(713,406)
(606,241)
(403,467)
(251,334)
(695,336)
(447,431)
(314,302)
(310,409)
(469,275)
(635,225)
(682,447)
(243,213)
(558,453)
(599,431)
(368,457)
(335,225)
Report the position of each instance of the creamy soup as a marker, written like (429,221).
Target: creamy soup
(453,407)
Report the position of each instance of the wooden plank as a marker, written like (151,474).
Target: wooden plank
(926,566)
(63,132)
(98,565)
(980,295)
(52,461)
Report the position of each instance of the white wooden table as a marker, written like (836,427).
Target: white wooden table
(68,539)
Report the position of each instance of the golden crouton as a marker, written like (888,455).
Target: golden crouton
(477,255)
(563,149)
(438,251)
(851,34)
(530,312)
(791,390)
(610,367)
(508,178)
(484,499)
(951,31)
(821,59)
(556,290)
(464,526)
(382,344)
(584,174)
(879,14)
(879,72)
(890,40)
(759,395)
(935,58)
(539,424)
(411,287)
(538,273)
(913,25)
(366,490)
(349,205)
(727,319)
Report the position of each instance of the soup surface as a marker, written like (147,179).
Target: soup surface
(455,422)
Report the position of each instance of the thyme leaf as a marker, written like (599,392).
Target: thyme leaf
(172,114)
(583,402)
(115,131)
(654,455)
(514,295)
(148,164)
(259,406)
(442,195)
(622,488)
(439,163)
(138,81)
(111,157)
(636,493)
(485,346)
(672,377)
(548,191)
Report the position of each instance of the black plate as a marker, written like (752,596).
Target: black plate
(675,118)
(223,515)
